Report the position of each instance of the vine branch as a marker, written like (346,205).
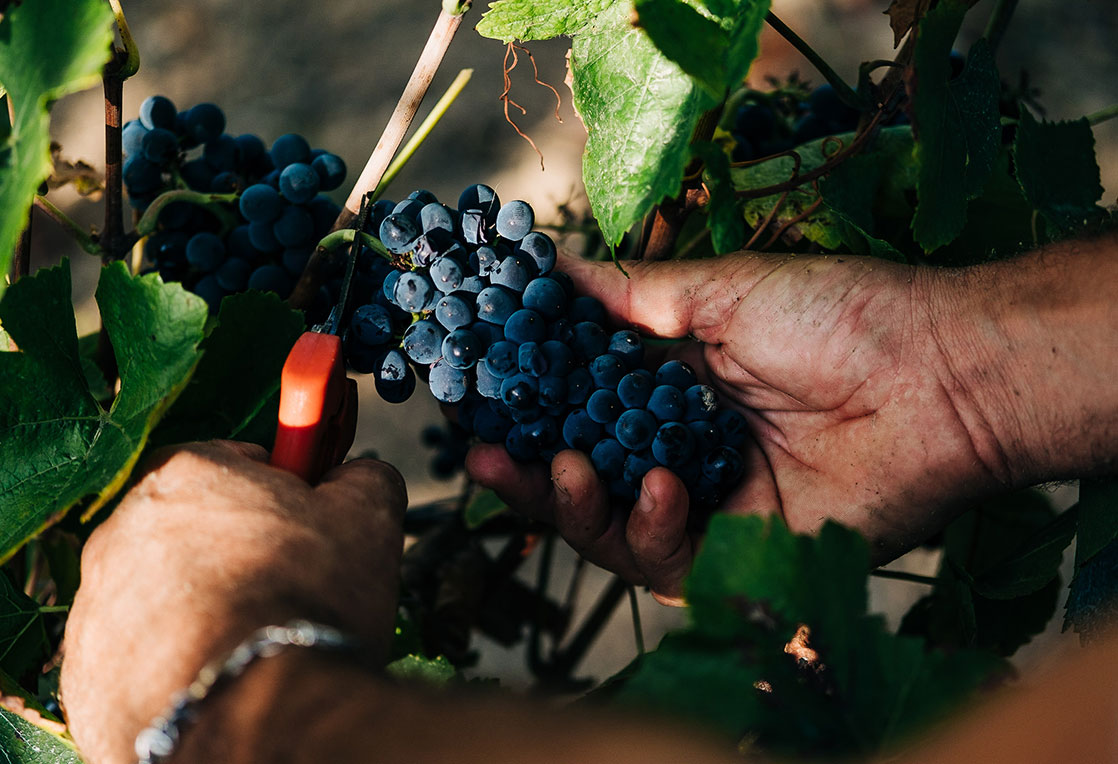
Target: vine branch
(901,575)
(1102,115)
(999,22)
(88,242)
(845,92)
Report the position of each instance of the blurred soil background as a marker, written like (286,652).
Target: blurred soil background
(332,71)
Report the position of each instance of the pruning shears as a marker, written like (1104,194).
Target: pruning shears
(318,402)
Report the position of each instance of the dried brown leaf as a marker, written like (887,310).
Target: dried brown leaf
(903,15)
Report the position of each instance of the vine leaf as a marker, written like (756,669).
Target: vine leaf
(48,48)
(418,668)
(975,603)
(903,15)
(640,110)
(25,743)
(1057,170)
(23,637)
(483,507)
(239,374)
(57,444)
(526,20)
(957,126)
(716,48)
(752,585)
(1093,598)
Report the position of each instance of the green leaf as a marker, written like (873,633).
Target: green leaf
(436,671)
(1057,170)
(640,111)
(483,507)
(94,377)
(727,219)
(57,444)
(1092,606)
(1098,517)
(48,48)
(25,743)
(508,20)
(694,41)
(821,226)
(239,373)
(957,124)
(1033,565)
(23,637)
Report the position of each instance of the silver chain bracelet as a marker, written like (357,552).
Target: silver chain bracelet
(158,740)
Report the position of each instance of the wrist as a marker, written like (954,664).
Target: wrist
(1023,348)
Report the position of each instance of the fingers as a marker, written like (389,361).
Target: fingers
(524,487)
(672,298)
(658,538)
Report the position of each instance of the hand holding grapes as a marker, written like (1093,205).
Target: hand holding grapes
(837,365)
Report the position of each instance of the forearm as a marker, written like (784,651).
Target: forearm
(302,707)
(1029,348)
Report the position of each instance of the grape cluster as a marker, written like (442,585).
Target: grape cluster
(476,304)
(450,444)
(265,240)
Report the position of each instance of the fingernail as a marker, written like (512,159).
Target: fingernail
(645,502)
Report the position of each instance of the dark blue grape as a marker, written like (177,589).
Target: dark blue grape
(225,183)
(252,154)
(132,138)
(541,249)
(541,433)
(472,284)
(503,358)
(413,291)
(723,466)
(637,465)
(579,386)
(732,426)
(603,406)
(461,349)
(487,260)
(448,384)
(475,229)
(295,259)
(205,251)
(388,289)
(486,332)
(519,446)
(330,169)
(553,392)
(392,366)
(397,232)
(488,384)
(298,183)
(674,445)
(447,274)
(525,325)
(586,308)
(589,341)
(677,374)
(520,391)
(141,175)
(423,196)
(701,402)
(607,371)
(666,403)
(626,345)
(177,215)
(204,122)
(608,458)
(295,227)
(580,431)
(423,341)
(635,388)
(381,209)
(197,174)
(158,112)
(260,203)
(545,296)
(270,278)
(514,272)
(209,290)
(531,360)
(396,392)
(559,358)
(221,153)
(371,324)
(495,304)
(453,312)
(481,198)
(289,149)
(514,220)
(263,237)
(492,422)
(435,215)
(705,434)
(159,146)
(409,207)
(635,429)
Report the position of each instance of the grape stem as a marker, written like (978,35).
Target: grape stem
(127,62)
(845,92)
(999,22)
(345,236)
(425,127)
(901,575)
(146,224)
(1102,115)
(88,242)
(112,234)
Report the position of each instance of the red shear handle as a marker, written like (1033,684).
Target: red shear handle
(318,408)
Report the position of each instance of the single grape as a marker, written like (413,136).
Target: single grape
(519,446)
(260,203)
(635,388)
(603,406)
(637,465)
(298,183)
(396,392)
(607,371)
(531,360)
(559,358)
(541,249)
(586,308)
(579,386)
(435,215)
(723,466)
(270,278)
(460,349)
(626,345)
(503,358)
(141,175)
(448,384)
(492,422)
(159,146)
(295,259)
(525,325)
(514,272)
(371,324)
(204,122)
(409,207)
(635,429)
(221,153)
(495,304)
(673,445)
(545,296)
(413,291)
(209,290)
(263,237)
(732,426)
(705,433)
(553,392)
(666,403)
(488,384)
(515,220)
(454,312)
(397,232)
(487,260)
(480,198)
(252,154)
(520,391)
(289,149)
(331,171)
(295,227)
(132,138)
(589,341)
(158,112)
(541,433)
(677,374)
(447,273)
(205,251)
(580,431)
(701,402)
(608,458)
(423,341)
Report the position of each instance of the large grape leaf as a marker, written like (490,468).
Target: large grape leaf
(239,373)
(57,444)
(22,742)
(715,45)
(23,638)
(957,123)
(752,585)
(640,110)
(508,20)
(48,48)
(1057,170)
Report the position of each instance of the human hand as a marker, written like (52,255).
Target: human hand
(210,544)
(834,362)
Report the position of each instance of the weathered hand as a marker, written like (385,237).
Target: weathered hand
(835,364)
(210,544)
